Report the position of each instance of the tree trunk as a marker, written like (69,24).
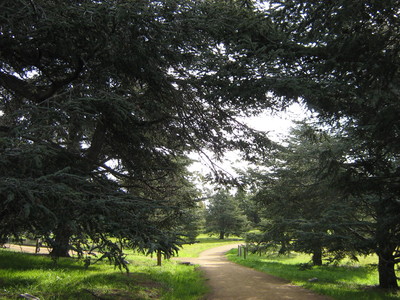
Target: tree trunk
(387,274)
(159,258)
(61,242)
(386,245)
(221,235)
(317,256)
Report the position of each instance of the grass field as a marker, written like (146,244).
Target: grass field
(348,281)
(205,242)
(68,279)
(38,275)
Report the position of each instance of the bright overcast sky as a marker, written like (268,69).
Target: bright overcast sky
(277,126)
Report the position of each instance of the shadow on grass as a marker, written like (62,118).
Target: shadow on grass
(28,261)
(38,275)
(119,286)
(6,283)
(68,279)
(346,291)
(97,286)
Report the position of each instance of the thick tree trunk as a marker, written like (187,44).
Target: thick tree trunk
(221,235)
(159,258)
(386,270)
(386,245)
(61,242)
(317,256)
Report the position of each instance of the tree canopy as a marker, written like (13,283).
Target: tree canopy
(343,57)
(100,103)
(301,205)
(102,100)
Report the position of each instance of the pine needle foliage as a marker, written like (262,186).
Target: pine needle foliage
(101,101)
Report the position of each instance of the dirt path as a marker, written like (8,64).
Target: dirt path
(26,249)
(231,281)
(228,280)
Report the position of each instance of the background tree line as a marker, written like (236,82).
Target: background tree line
(317,196)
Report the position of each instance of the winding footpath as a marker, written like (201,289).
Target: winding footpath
(231,281)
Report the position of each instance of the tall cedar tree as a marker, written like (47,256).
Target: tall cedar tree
(101,101)
(302,206)
(343,59)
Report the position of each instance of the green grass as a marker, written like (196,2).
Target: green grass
(68,279)
(205,242)
(347,281)
(40,276)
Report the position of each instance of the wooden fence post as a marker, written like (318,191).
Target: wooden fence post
(37,248)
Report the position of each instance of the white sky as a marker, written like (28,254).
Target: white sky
(277,126)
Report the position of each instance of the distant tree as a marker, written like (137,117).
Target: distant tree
(322,195)
(223,216)
(248,206)
(192,223)
(297,202)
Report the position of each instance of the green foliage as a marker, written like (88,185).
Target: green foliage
(341,60)
(192,223)
(319,199)
(223,215)
(248,206)
(100,103)
(301,207)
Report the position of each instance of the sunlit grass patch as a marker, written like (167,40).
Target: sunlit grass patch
(205,242)
(350,280)
(179,281)
(64,279)
(68,279)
